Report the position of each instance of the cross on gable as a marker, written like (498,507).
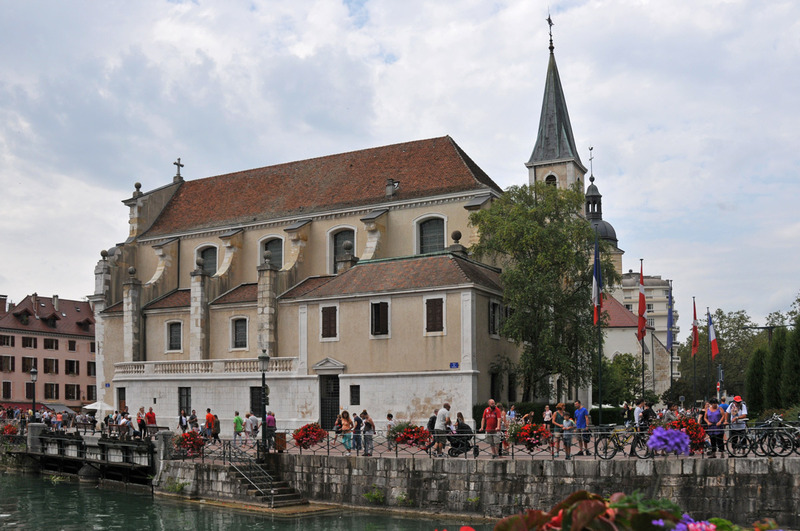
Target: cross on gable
(179,165)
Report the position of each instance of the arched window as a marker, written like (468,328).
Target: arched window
(339,238)
(551,180)
(209,256)
(431,235)
(238,333)
(274,246)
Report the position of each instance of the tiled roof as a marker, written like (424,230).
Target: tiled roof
(618,316)
(424,168)
(72,317)
(400,274)
(241,293)
(180,298)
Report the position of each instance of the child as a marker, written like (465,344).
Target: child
(569,428)
(389,425)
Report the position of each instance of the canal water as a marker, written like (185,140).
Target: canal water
(36,503)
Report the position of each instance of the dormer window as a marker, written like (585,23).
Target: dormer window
(338,245)
(275,247)
(431,235)
(209,256)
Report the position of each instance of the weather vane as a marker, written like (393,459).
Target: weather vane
(550,23)
(591,164)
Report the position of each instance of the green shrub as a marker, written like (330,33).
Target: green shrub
(375,495)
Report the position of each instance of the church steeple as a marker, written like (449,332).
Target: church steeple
(555,155)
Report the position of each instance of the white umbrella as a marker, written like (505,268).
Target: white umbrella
(99,407)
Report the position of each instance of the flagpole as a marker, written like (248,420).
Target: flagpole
(669,338)
(708,345)
(641,339)
(599,327)
(694,357)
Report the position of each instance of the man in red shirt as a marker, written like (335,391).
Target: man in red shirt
(490,422)
(209,424)
(150,421)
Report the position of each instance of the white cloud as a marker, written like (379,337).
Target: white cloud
(690,108)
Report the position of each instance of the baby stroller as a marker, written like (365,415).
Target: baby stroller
(462,442)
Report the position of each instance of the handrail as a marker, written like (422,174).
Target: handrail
(250,465)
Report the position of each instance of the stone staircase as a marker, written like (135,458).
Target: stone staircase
(263,485)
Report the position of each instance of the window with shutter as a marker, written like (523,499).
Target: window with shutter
(380,319)
(434,315)
(329,328)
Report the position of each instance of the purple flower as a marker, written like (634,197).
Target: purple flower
(669,440)
(658,523)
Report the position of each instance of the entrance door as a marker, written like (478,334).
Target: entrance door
(329,400)
(121,399)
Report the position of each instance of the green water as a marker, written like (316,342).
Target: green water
(31,502)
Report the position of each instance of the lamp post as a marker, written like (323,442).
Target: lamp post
(263,366)
(34,377)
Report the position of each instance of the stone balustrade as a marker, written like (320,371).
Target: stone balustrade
(221,366)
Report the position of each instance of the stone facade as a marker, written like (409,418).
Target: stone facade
(742,490)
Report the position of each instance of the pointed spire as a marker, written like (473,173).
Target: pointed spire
(554,141)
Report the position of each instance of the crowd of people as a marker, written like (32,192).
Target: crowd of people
(357,431)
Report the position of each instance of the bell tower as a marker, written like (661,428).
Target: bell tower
(555,159)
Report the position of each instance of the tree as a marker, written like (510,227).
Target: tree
(545,249)
(790,375)
(736,338)
(773,369)
(621,379)
(754,390)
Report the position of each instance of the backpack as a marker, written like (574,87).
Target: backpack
(431,423)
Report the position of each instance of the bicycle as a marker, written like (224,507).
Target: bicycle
(608,443)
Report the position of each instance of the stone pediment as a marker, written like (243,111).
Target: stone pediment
(329,366)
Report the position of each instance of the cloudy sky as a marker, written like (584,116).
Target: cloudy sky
(691,107)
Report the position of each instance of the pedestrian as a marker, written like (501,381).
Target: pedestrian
(512,414)
(270,427)
(140,420)
(547,417)
(183,421)
(737,414)
(637,414)
(347,432)
(490,423)
(431,427)
(337,427)
(715,420)
(248,430)
(209,425)
(558,427)
(358,425)
(440,429)
(390,423)
(215,429)
(254,423)
(238,427)
(193,422)
(569,428)
(150,422)
(582,421)
(369,433)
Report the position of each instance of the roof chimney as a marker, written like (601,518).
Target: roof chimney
(55,303)
(3,309)
(391,187)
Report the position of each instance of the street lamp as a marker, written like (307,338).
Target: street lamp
(34,377)
(263,366)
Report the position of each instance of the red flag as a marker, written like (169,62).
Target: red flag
(642,329)
(712,338)
(597,284)
(695,336)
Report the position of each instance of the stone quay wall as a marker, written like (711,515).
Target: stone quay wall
(741,490)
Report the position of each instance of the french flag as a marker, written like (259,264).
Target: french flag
(712,338)
(597,284)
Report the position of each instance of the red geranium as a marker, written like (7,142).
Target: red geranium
(309,435)
(10,429)
(191,441)
(696,433)
(414,436)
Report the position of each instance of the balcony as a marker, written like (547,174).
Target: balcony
(188,367)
